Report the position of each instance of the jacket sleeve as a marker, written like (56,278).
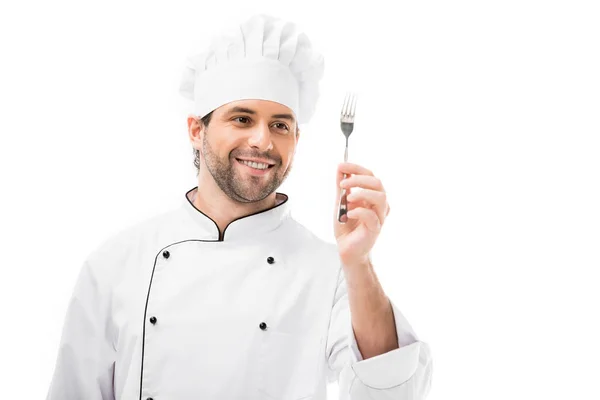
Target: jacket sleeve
(400,374)
(86,356)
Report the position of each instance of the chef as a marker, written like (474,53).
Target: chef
(227,296)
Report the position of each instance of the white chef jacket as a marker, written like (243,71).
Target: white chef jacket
(167,309)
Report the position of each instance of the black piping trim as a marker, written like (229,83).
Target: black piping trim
(222,236)
(146,306)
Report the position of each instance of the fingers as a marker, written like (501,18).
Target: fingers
(373,199)
(363,181)
(367,216)
(350,168)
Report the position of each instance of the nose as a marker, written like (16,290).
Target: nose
(260,138)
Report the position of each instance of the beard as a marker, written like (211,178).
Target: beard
(237,185)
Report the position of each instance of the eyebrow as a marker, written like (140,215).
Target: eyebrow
(245,110)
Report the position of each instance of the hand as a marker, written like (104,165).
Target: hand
(367,210)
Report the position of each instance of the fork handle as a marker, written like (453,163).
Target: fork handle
(343,207)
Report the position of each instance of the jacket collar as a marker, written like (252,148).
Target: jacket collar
(241,228)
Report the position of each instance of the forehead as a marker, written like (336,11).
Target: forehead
(256,106)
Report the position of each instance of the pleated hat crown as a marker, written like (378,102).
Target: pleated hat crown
(263,58)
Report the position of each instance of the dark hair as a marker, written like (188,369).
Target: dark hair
(205,120)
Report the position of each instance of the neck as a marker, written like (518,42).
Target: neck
(211,200)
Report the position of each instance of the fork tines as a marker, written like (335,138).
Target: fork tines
(348,108)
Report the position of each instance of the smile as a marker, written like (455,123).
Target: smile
(255,168)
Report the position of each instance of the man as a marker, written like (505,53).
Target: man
(227,296)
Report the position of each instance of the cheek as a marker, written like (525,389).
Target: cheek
(227,150)
(287,156)
(286,160)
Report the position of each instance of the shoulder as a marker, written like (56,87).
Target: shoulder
(108,258)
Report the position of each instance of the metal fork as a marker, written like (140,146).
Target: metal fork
(347,124)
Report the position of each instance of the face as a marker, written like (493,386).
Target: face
(246,130)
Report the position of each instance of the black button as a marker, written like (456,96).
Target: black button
(149,398)
(270,260)
(166,254)
(153,320)
(263,326)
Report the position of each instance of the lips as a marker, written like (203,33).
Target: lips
(270,163)
(255,171)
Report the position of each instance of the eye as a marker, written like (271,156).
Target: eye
(243,120)
(282,126)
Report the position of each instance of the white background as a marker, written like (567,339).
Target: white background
(481,119)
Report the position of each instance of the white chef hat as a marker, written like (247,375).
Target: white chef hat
(263,58)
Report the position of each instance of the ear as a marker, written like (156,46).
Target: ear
(195,131)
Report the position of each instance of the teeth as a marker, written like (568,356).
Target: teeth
(254,164)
